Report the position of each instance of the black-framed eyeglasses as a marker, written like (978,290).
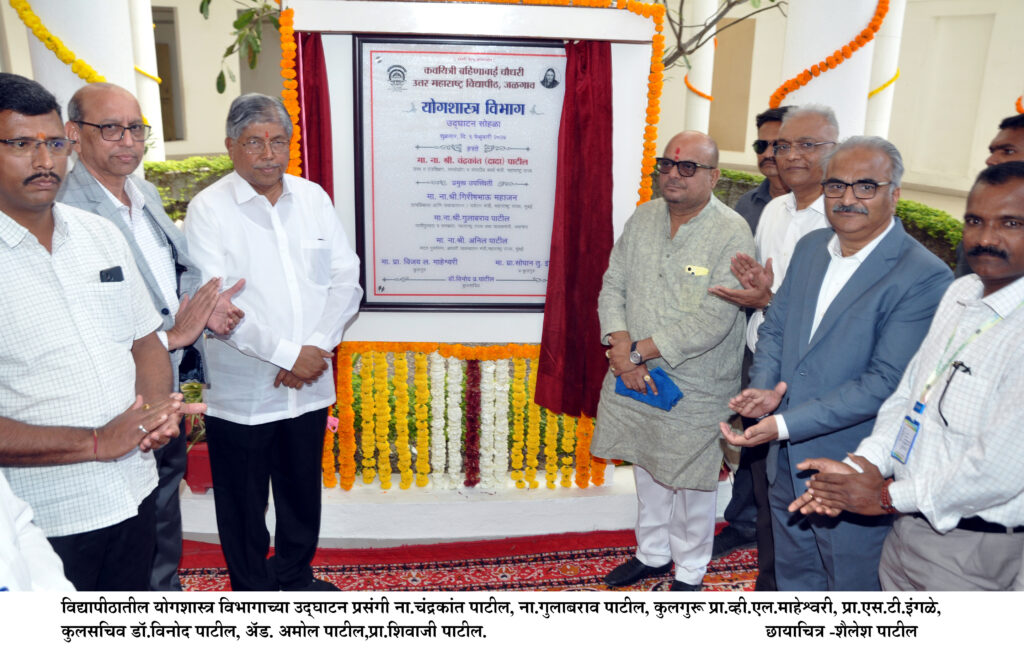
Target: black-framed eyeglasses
(115,132)
(686,168)
(799,147)
(835,188)
(760,146)
(26,146)
(256,146)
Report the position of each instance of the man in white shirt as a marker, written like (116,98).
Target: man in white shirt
(106,122)
(855,304)
(78,355)
(804,137)
(807,135)
(270,380)
(946,451)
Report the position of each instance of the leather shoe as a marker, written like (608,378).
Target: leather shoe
(683,586)
(633,571)
(728,540)
(319,584)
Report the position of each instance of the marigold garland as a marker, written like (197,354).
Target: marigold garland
(693,89)
(366,411)
(346,423)
(1019,105)
(290,93)
(550,449)
(865,36)
(54,44)
(401,420)
(488,447)
(533,430)
(885,85)
(518,421)
(422,395)
(584,433)
(382,413)
(327,460)
(568,449)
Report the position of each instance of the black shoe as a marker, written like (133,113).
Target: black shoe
(319,584)
(728,540)
(683,586)
(633,571)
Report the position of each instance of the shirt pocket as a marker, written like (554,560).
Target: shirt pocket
(316,254)
(110,306)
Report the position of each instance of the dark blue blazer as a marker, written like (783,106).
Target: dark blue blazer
(838,379)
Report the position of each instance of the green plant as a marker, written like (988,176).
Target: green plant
(247,33)
(179,180)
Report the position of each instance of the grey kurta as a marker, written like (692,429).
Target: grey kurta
(649,292)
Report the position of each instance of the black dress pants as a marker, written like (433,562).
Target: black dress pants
(116,557)
(245,461)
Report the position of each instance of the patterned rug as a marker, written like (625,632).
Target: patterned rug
(560,562)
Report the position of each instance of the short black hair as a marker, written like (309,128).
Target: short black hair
(1014,122)
(771,115)
(25,96)
(1001,174)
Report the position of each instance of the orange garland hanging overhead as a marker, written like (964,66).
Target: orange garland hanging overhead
(846,51)
(1019,105)
(290,94)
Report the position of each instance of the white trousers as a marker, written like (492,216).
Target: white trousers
(675,525)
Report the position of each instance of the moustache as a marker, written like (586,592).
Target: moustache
(42,175)
(855,209)
(768,160)
(977,251)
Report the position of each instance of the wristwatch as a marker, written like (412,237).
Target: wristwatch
(634,356)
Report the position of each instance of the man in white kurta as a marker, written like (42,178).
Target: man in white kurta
(270,379)
(655,306)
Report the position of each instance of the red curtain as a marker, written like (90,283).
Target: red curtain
(314,111)
(572,363)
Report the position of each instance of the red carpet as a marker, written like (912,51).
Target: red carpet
(554,562)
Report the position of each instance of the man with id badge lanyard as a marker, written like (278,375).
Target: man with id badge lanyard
(946,450)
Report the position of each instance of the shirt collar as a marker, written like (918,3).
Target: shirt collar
(135,197)
(244,192)
(836,251)
(1005,300)
(817,206)
(13,233)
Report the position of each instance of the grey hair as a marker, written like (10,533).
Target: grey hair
(876,143)
(254,108)
(75,113)
(820,110)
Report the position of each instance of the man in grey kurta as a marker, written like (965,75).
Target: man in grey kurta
(656,311)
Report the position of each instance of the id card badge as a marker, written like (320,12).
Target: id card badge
(905,439)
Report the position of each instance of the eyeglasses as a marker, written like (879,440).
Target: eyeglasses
(686,168)
(800,147)
(256,146)
(760,146)
(861,188)
(115,132)
(26,146)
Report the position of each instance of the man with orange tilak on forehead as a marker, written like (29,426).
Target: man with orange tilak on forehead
(270,379)
(84,381)
(658,317)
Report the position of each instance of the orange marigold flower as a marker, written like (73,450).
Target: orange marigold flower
(847,52)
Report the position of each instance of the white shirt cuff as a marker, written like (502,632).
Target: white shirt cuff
(780,423)
(286,354)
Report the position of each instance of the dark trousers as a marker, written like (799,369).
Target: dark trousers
(117,557)
(170,464)
(245,462)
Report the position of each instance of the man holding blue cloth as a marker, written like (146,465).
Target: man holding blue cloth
(656,313)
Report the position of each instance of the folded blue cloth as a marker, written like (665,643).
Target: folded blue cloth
(668,392)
